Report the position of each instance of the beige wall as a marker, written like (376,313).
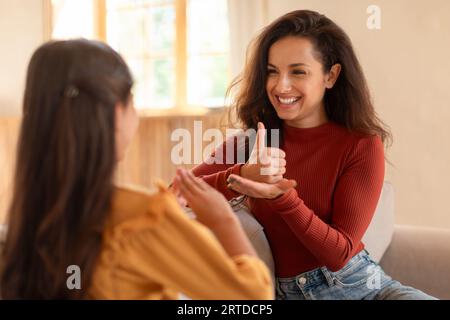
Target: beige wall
(408,68)
(9,129)
(21,31)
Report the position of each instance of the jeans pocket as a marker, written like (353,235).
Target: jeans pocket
(279,293)
(356,273)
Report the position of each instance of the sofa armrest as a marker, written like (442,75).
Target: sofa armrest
(420,257)
(379,233)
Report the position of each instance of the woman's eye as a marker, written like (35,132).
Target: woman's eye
(271,71)
(296,72)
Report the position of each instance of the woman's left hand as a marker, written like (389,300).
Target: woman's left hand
(256,189)
(175,189)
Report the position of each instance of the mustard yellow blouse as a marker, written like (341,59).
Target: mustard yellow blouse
(153,250)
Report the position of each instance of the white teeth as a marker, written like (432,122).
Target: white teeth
(288,100)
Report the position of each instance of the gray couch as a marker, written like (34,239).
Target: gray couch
(416,256)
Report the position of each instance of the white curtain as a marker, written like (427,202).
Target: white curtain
(246,19)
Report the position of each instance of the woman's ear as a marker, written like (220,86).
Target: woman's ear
(127,122)
(118,109)
(119,130)
(332,76)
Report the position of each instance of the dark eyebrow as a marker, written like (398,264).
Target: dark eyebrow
(293,65)
(298,65)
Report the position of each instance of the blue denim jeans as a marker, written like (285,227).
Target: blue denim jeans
(360,279)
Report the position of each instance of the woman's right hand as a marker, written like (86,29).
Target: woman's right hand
(209,205)
(264,164)
(213,210)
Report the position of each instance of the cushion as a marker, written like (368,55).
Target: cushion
(379,234)
(255,232)
(420,257)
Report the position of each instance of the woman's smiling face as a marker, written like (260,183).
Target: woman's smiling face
(296,82)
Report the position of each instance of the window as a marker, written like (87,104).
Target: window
(178,50)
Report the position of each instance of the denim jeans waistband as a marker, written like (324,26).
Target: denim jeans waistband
(320,274)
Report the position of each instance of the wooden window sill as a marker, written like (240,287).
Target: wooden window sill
(174,112)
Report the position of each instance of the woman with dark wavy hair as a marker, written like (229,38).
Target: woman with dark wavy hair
(320,188)
(67,215)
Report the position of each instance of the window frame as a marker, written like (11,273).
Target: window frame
(181,106)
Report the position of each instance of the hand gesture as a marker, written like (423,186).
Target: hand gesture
(209,205)
(265,164)
(256,189)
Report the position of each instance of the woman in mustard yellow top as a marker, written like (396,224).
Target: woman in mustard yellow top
(67,219)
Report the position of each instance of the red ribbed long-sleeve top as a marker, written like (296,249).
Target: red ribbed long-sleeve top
(339,178)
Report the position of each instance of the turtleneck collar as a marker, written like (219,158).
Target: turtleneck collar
(313,132)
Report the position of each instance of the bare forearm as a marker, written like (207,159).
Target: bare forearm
(232,237)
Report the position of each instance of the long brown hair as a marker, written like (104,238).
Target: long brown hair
(348,103)
(64,171)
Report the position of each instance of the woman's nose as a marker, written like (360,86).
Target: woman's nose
(283,84)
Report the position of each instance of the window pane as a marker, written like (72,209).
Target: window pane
(154,82)
(124,4)
(144,33)
(162,82)
(73,19)
(120,25)
(160,29)
(207,26)
(207,80)
(208,47)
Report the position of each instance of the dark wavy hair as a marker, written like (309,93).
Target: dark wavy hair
(348,103)
(66,159)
